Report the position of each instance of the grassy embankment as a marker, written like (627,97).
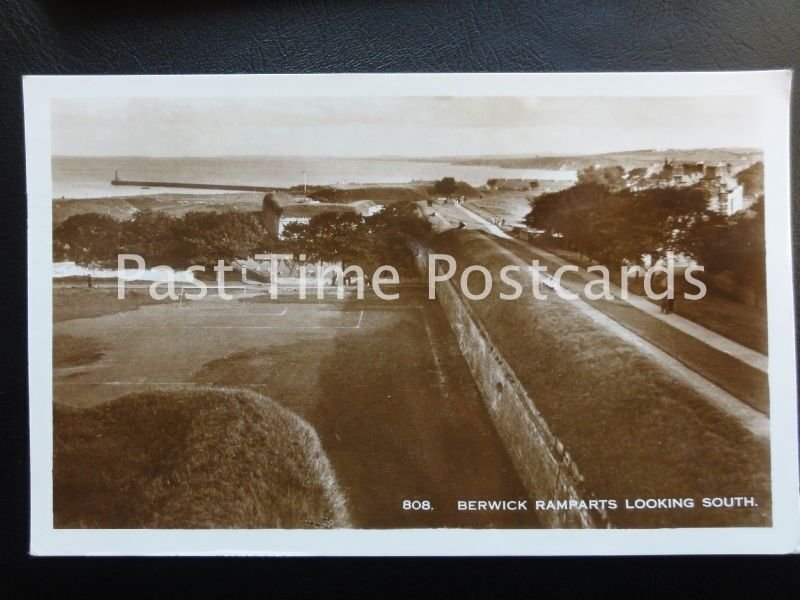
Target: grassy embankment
(75,350)
(394,405)
(176,204)
(83,303)
(205,458)
(379,194)
(742,323)
(632,428)
(387,194)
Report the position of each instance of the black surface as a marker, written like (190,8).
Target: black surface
(60,37)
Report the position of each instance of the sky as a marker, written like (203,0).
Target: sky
(398,126)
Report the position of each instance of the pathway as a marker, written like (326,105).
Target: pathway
(731,376)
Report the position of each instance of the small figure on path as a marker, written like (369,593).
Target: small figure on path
(89,280)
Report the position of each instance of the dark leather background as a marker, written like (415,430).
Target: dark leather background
(52,37)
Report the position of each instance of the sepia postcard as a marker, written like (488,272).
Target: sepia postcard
(411,314)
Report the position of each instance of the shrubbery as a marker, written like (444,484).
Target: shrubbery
(199,238)
(369,242)
(203,238)
(619,227)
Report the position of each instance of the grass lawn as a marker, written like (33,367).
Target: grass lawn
(511,206)
(741,380)
(744,324)
(632,428)
(191,459)
(84,302)
(176,204)
(382,382)
(75,350)
(376,193)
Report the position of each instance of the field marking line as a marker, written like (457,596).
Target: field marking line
(232,313)
(167,325)
(200,313)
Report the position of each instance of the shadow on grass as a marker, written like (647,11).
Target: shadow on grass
(75,350)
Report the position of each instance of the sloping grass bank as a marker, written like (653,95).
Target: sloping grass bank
(201,458)
(632,428)
(742,323)
(75,350)
(380,194)
(83,302)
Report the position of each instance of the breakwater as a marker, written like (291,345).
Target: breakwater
(192,186)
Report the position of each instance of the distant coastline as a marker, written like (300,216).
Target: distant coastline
(627,159)
(76,177)
(90,177)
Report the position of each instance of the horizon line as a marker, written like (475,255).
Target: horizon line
(530,156)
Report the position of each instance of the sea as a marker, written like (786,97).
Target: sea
(90,177)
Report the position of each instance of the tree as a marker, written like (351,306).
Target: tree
(735,245)
(619,227)
(196,238)
(752,179)
(610,177)
(328,237)
(203,238)
(569,213)
(349,238)
(445,186)
(149,234)
(667,218)
(87,238)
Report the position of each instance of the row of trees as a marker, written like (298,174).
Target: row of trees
(619,227)
(203,238)
(735,245)
(752,178)
(196,238)
(349,238)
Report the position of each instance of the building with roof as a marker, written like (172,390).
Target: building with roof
(280,209)
(727,200)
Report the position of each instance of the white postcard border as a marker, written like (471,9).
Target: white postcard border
(771,87)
